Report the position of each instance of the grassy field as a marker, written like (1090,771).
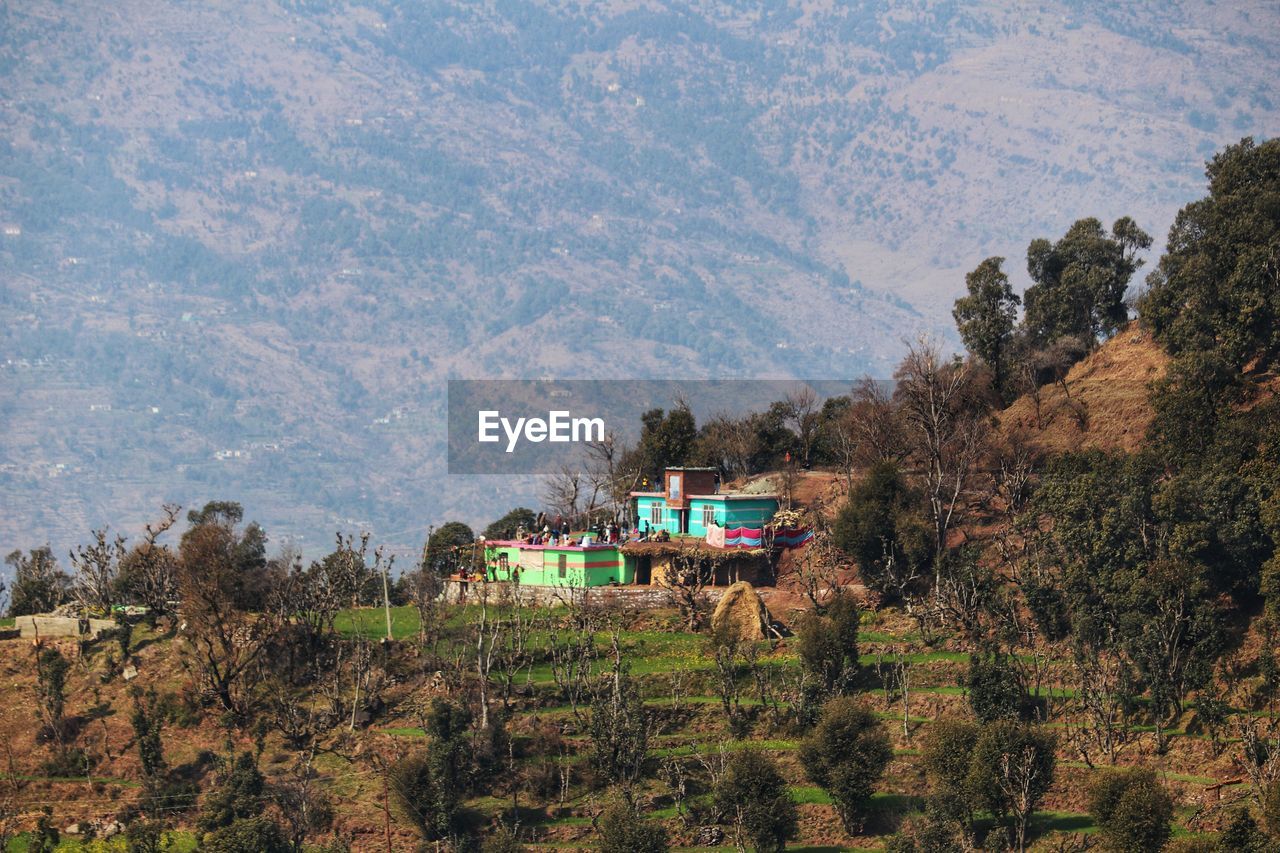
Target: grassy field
(175,842)
(655,657)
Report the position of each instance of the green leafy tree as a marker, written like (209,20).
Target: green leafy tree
(995,688)
(429,784)
(846,755)
(239,795)
(1080,281)
(506,527)
(1171,629)
(1271,808)
(947,758)
(421,798)
(623,830)
(1012,769)
(46,838)
(144,836)
(985,318)
(1214,290)
(1133,811)
(667,439)
(38,584)
(755,798)
(880,528)
(619,730)
(441,551)
(827,644)
(146,723)
(1241,835)
(51,690)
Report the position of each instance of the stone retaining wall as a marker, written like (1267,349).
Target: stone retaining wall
(32,627)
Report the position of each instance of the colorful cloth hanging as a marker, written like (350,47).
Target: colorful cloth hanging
(792,537)
(743,537)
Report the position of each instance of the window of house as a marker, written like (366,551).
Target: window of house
(655,514)
(564,562)
(674,484)
(708,515)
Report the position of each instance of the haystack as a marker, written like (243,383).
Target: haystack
(742,608)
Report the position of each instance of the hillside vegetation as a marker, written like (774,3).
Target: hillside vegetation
(998,639)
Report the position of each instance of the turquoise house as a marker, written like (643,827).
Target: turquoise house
(691,502)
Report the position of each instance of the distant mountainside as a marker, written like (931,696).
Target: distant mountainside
(244,244)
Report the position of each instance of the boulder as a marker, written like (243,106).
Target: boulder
(743,612)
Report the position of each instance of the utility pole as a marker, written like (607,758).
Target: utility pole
(386,594)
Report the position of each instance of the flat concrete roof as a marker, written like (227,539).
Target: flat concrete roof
(733,496)
(525,546)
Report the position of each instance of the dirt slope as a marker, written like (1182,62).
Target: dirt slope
(1103,402)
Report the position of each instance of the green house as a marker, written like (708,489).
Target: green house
(558,565)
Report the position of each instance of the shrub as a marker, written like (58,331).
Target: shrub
(995,690)
(623,830)
(259,834)
(827,644)
(947,757)
(51,690)
(755,797)
(417,790)
(502,840)
(1133,811)
(1011,770)
(846,754)
(239,796)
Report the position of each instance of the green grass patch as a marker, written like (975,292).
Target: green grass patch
(177,841)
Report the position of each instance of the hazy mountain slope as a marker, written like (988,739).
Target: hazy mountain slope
(272,229)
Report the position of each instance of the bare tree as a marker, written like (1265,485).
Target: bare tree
(514,648)
(946,417)
(152,568)
(817,565)
(1018,778)
(876,424)
(1104,689)
(97,567)
(304,807)
(426,588)
(690,569)
(733,444)
(571,650)
(610,475)
(572,492)
(803,418)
